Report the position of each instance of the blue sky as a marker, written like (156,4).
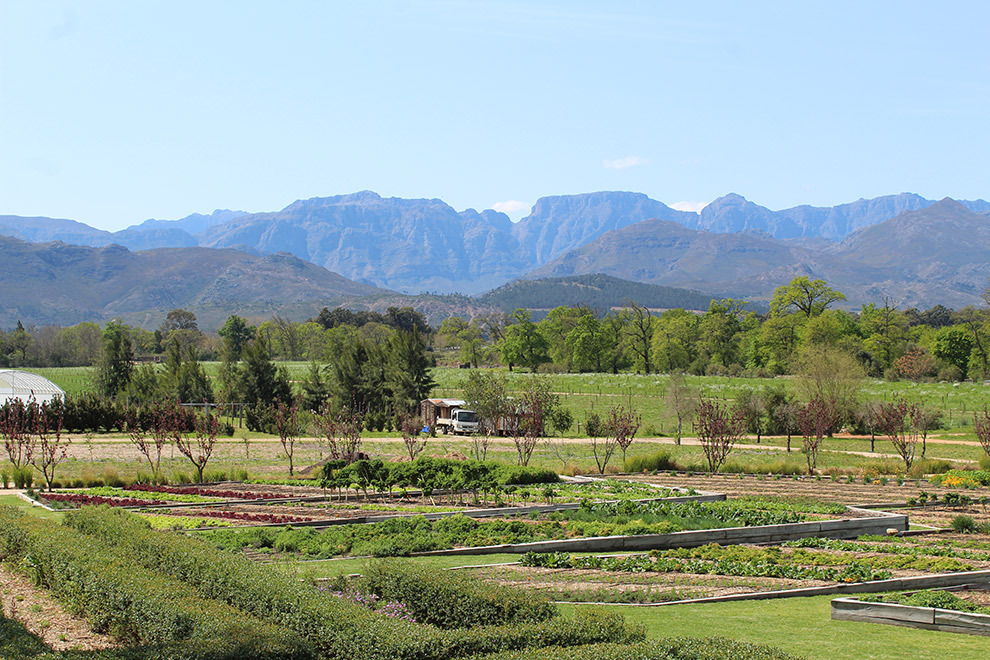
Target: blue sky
(112,112)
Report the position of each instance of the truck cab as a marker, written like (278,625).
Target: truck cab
(463,421)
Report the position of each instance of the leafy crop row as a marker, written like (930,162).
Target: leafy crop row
(453,599)
(139,605)
(647,564)
(336,627)
(888,548)
(935,598)
(678,648)
(403,536)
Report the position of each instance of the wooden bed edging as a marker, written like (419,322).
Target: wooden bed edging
(846,528)
(928,618)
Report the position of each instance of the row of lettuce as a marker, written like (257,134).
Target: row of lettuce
(407,535)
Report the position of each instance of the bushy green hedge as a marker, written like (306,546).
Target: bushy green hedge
(336,627)
(677,648)
(135,604)
(450,599)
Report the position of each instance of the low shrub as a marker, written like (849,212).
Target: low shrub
(449,599)
(963,524)
(137,605)
(660,460)
(23,477)
(677,648)
(338,629)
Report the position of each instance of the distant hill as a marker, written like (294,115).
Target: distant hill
(55,283)
(559,224)
(410,245)
(936,255)
(425,246)
(597,291)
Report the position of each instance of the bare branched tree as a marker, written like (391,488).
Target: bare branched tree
(341,430)
(894,421)
(410,426)
(815,419)
(682,401)
(622,424)
(718,429)
(286,419)
(164,418)
(51,447)
(981,422)
(14,431)
(200,449)
(924,419)
(487,393)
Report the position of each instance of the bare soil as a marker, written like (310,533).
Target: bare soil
(45,617)
(840,491)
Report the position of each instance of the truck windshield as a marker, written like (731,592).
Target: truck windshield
(467,416)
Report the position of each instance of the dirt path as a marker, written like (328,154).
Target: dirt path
(46,618)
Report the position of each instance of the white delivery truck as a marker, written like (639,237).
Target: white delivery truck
(449,416)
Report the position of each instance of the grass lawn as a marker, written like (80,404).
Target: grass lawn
(16,502)
(803,626)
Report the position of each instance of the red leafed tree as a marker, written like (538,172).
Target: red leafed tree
(893,419)
(50,447)
(981,421)
(925,419)
(15,432)
(165,419)
(342,431)
(622,425)
(199,449)
(410,426)
(815,419)
(286,420)
(718,429)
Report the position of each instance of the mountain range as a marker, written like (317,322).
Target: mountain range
(903,246)
(58,283)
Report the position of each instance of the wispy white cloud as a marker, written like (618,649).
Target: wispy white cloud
(625,163)
(510,206)
(689,206)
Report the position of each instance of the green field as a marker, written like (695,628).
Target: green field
(803,626)
(583,393)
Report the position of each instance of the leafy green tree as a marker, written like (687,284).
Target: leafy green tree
(235,334)
(116,363)
(20,340)
(261,381)
(556,328)
(719,331)
(639,333)
(316,387)
(180,324)
(954,345)
(487,393)
(809,297)
(523,343)
(408,370)
(675,339)
(589,344)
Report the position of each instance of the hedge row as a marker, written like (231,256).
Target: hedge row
(448,599)
(139,606)
(677,648)
(336,627)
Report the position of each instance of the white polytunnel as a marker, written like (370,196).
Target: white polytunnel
(24,385)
